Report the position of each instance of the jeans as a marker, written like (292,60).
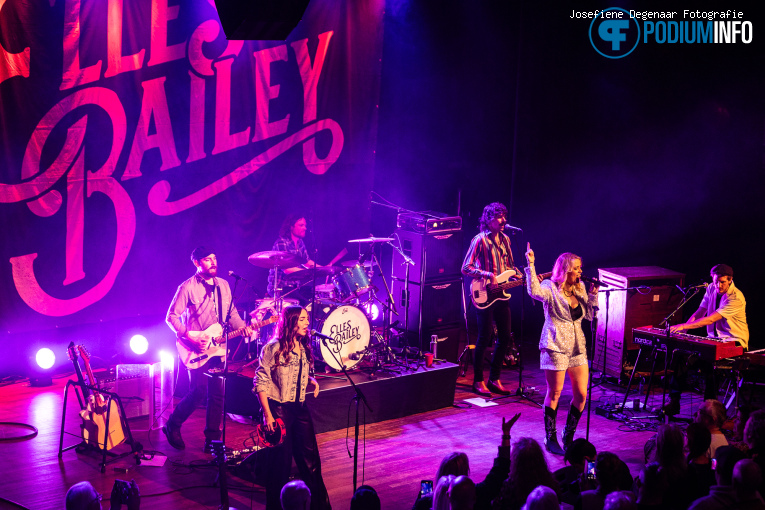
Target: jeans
(200,386)
(300,443)
(498,312)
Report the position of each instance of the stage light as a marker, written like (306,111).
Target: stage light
(373,310)
(139,344)
(45,358)
(167,359)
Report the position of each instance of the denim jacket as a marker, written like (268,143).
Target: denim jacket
(277,378)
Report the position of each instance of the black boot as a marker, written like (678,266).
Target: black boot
(571,422)
(551,434)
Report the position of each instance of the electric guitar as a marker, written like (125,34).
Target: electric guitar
(483,293)
(95,413)
(192,358)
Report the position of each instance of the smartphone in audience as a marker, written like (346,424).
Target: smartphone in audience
(590,470)
(426,487)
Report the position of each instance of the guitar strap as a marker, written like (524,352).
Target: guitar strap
(217,302)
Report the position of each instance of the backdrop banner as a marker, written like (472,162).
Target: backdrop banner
(131,132)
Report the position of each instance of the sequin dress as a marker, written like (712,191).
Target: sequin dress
(562,344)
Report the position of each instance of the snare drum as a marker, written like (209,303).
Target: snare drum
(325,291)
(351,283)
(349,329)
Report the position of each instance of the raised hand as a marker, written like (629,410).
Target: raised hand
(507,425)
(529,254)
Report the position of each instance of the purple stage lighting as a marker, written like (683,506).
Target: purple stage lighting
(139,344)
(45,358)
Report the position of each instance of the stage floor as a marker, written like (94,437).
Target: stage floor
(398,453)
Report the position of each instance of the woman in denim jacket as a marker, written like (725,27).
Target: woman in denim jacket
(286,368)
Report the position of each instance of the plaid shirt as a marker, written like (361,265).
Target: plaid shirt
(484,256)
(283,244)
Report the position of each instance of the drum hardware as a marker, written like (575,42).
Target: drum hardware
(275,260)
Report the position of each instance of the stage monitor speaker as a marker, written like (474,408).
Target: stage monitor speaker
(631,309)
(449,340)
(263,20)
(437,257)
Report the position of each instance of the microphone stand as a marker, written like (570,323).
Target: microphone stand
(220,447)
(409,262)
(521,392)
(665,325)
(608,292)
(358,396)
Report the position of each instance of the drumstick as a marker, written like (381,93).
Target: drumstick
(340,255)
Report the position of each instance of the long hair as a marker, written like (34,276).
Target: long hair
(287,336)
(490,212)
(564,264)
(456,463)
(669,451)
(440,492)
(528,470)
(286,229)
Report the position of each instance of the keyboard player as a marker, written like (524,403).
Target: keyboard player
(723,312)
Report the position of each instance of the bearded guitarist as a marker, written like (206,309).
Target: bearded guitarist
(489,256)
(200,302)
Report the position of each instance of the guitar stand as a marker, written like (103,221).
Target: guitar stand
(136,448)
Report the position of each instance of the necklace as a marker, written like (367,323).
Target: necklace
(567,293)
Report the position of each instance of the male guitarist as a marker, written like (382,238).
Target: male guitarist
(489,255)
(200,302)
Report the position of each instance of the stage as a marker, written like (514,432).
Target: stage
(395,456)
(391,394)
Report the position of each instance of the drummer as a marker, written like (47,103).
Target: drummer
(291,235)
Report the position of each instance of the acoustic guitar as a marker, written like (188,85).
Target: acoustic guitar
(192,358)
(95,431)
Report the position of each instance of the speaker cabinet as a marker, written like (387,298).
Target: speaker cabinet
(628,309)
(434,307)
(437,257)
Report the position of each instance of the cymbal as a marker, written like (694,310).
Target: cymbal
(372,240)
(305,275)
(351,263)
(269,259)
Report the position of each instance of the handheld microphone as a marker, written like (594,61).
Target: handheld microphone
(320,335)
(231,273)
(593,281)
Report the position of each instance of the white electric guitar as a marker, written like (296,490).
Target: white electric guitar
(192,358)
(483,293)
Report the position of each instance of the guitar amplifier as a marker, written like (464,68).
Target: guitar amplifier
(144,389)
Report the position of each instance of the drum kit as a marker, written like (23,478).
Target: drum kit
(338,299)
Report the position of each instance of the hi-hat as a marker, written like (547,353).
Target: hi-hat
(372,240)
(269,259)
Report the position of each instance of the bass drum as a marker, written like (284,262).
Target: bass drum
(349,329)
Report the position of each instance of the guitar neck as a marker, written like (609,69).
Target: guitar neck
(516,283)
(78,371)
(91,377)
(255,325)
